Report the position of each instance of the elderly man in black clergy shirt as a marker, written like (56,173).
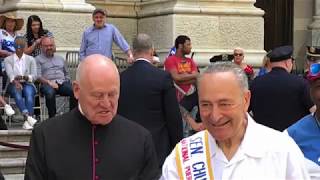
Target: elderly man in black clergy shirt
(91,142)
(148,97)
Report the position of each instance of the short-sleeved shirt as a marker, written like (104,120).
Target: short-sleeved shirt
(99,41)
(263,154)
(182,66)
(306,133)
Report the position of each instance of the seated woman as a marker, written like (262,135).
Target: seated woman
(9,25)
(22,70)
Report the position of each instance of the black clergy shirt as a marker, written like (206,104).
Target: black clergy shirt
(68,147)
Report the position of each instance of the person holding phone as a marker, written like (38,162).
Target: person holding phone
(22,71)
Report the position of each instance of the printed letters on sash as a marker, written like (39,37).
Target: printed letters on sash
(193,158)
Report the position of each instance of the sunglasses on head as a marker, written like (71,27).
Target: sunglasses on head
(236,54)
(19,46)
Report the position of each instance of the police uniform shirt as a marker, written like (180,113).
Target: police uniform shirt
(279,99)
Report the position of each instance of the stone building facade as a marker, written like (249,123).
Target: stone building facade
(214,26)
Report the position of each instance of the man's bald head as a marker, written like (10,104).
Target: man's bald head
(97,88)
(95,63)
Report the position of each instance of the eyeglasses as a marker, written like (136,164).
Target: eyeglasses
(315,69)
(236,54)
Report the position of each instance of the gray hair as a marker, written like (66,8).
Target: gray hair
(142,43)
(228,67)
(238,49)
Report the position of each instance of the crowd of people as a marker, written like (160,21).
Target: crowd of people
(172,123)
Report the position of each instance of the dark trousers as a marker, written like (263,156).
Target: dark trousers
(64,89)
(1,176)
(4,80)
(24,98)
(188,102)
(3,126)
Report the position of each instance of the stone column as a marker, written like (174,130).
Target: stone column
(66,19)
(314,27)
(214,26)
(123,14)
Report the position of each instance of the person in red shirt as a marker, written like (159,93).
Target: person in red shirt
(183,70)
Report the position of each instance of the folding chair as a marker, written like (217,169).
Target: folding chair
(11,101)
(72,60)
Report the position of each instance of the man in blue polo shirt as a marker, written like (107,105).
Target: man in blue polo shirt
(98,38)
(306,132)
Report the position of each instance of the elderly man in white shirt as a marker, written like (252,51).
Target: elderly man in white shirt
(234,146)
(22,70)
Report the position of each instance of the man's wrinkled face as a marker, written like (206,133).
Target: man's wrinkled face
(223,105)
(98,94)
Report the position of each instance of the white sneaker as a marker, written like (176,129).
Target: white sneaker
(27,126)
(8,110)
(31,121)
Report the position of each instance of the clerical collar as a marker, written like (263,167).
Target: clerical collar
(80,109)
(143,59)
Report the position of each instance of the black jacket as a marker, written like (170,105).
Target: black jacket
(279,99)
(62,149)
(148,98)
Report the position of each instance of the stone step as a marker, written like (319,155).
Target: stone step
(14,177)
(15,135)
(12,165)
(8,152)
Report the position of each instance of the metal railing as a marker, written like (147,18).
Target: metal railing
(73,60)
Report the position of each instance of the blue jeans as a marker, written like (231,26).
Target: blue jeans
(64,89)
(28,92)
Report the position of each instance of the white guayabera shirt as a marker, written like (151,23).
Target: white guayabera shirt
(264,154)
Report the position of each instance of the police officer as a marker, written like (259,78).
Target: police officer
(279,98)
(313,56)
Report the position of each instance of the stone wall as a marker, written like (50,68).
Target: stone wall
(214,26)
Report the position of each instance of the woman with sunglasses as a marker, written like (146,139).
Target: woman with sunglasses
(34,34)
(22,71)
(238,54)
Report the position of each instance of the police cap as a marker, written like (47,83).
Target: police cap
(313,51)
(221,57)
(280,53)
